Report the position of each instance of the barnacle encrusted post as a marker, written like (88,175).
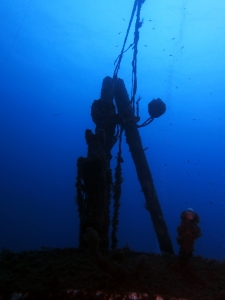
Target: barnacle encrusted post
(188,232)
(92,239)
(94,178)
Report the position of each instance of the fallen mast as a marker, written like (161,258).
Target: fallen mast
(143,171)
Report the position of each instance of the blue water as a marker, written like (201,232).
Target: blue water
(53,57)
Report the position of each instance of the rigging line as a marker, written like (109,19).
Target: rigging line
(125,40)
(119,58)
(134,61)
(123,53)
(137,4)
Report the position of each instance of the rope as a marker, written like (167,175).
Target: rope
(125,40)
(147,122)
(134,61)
(117,194)
(137,5)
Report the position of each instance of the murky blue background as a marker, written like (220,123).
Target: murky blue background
(53,57)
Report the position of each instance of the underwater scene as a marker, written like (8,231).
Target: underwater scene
(112,137)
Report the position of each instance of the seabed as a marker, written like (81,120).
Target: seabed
(121,274)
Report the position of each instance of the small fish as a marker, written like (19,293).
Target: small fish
(176,86)
(182,47)
(171,55)
(164,49)
(119,33)
(173,39)
(145,45)
(57,115)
